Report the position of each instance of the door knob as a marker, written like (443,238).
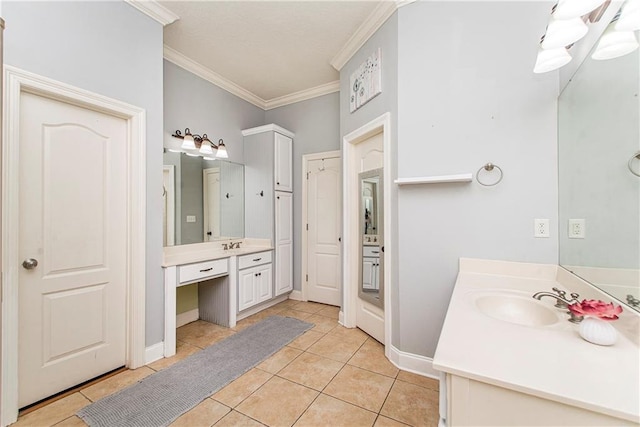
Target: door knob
(30,263)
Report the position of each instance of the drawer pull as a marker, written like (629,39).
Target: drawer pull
(206,269)
(375,252)
(257,259)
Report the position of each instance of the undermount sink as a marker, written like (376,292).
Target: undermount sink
(516,309)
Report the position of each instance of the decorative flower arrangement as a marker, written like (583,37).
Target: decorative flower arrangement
(596,308)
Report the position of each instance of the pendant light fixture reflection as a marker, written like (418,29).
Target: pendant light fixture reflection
(551,59)
(563,32)
(567,9)
(615,43)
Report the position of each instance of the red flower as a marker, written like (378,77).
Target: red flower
(596,308)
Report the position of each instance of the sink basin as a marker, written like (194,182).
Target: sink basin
(516,309)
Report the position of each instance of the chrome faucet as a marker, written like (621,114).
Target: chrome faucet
(234,245)
(633,301)
(561,301)
(226,246)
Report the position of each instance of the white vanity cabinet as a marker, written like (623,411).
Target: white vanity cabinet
(370,267)
(269,198)
(255,279)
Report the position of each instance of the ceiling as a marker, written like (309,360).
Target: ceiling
(271,49)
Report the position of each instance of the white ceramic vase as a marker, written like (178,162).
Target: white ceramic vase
(598,331)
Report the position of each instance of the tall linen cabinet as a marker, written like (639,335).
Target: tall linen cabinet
(268,166)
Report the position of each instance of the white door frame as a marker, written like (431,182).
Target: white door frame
(18,81)
(351,207)
(170,189)
(305,215)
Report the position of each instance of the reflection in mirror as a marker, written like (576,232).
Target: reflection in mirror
(599,195)
(204,199)
(371,250)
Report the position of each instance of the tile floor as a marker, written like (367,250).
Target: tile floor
(329,376)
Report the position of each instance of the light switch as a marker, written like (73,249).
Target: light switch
(191,218)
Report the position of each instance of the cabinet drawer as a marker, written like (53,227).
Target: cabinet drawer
(371,251)
(251,260)
(202,270)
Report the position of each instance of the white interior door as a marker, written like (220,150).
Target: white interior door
(324,195)
(73,223)
(211,196)
(369,317)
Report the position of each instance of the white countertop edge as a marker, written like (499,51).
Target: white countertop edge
(197,252)
(477,275)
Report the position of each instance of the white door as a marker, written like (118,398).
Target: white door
(324,195)
(211,202)
(369,317)
(284,242)
(246,286)
(73,223)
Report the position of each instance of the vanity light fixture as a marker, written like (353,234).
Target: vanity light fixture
(563,32)
(629,19)
(195,145)
(567,9)
(615,43)
(551,59)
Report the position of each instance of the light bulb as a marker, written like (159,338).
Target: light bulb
(188,143)
(205,147)
(222,151)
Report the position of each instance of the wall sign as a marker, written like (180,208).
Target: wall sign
(366,81)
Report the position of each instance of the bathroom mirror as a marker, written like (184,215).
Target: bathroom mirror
(204,199)
(599,190)
(371,276)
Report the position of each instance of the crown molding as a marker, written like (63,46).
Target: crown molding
(154,10)
(374,21)
(200,70)
(303,95)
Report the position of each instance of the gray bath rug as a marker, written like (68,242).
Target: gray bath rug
(160,398)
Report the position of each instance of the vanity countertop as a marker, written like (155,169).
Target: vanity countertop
(187,254)
(550,361)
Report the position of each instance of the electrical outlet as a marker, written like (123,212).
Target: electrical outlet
(541,227)
(191,218)
(577,228)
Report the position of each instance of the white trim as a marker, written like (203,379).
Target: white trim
(303,95)
(153,353)
(187,317)
(341,317)
(267,128)
(154,10)
(306,158)
(171,204)
(410,362)
(18,81)
(200,70)
(170,284)
(297,295)
(462,177)
(351,241)
(262,306)
(374,21)
(211,76)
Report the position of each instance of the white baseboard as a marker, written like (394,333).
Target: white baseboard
(296,295)
(187,317)
(415,363)
(153,353)
(341,317)
(256,309)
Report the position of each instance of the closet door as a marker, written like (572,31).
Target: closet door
(284,242)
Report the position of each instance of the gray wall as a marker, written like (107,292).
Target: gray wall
(316,123)
(112,49)
(467,96)
(190,101)
(385,38)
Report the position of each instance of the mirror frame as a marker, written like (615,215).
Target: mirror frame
(378,302)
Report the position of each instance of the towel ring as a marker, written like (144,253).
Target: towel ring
(489,167)
(635,156)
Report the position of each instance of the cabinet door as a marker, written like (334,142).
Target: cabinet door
(283,174)
(284,242)
(368,272)
(258,187)
(264,283)
(246,287)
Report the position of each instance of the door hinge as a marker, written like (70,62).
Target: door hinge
(307,277)
(308,174)
(307,227)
